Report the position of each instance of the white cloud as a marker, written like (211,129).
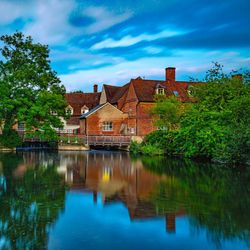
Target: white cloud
(50,18)
(10,10)
(104,19)
(130,40)
(50,23)
(188,63)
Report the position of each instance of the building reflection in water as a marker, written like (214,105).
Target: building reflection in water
(116,178)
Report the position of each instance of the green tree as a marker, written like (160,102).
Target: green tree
(30,90)
(167,112)
(218,124)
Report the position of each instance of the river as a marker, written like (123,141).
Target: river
(110,200)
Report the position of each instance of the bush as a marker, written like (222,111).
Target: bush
(150,149)
(157,137)
(135,148)
(164,140)
(10,138)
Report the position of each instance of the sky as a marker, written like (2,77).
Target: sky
(110,42)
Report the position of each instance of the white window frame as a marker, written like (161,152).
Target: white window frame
(70,110)
(21,126)
(84,109)
(107,126)
(160,91)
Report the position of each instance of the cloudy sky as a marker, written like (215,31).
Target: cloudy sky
(111,41)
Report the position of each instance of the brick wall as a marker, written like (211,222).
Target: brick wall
(108,113)
(145,123)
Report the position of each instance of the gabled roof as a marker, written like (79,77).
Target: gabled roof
(145,89)
(119,93)
(97,108)
(93,110)
(78,100)
(110,91)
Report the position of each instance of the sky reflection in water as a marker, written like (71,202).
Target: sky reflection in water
(111,201)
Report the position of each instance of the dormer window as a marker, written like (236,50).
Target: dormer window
(69,110)
(190,90)
(84,109)
(160,91)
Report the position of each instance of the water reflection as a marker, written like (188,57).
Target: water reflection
(31,199)
(175,203)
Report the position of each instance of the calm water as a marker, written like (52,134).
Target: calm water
(105,200)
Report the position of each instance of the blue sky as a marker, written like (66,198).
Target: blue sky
(113,41)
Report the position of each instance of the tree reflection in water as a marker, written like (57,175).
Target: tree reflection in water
(30,203)
(32,195)
(213,196)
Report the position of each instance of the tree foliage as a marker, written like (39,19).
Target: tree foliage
(30,90)
(167,112)
(216,126)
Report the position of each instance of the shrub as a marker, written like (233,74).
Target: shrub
(135,148)
(149,149)
(10,138)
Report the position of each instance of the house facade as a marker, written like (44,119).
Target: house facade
(125,110)
(78,104)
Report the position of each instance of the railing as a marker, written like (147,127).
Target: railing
(99,140)
(119,140)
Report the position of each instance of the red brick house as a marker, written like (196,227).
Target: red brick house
(124,110)
(78,104)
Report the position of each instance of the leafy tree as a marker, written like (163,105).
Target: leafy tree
(167,112)
(217,125)
(76,92)
(30,90)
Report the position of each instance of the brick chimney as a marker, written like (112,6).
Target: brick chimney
(95,88)
(238,77)
(170,74)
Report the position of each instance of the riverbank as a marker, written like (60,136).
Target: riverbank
(168,143)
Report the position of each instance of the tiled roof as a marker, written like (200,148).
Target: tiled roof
(92,110)
(145,89)
(73,120)
(119,93)
(111,91)
(78,100)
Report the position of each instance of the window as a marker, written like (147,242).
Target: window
(69,131)
(176,93)
(130,111)
(69,111)
(84,109)
(21,126)
(190,90)
(107,126)
(160,91)
(131,130)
